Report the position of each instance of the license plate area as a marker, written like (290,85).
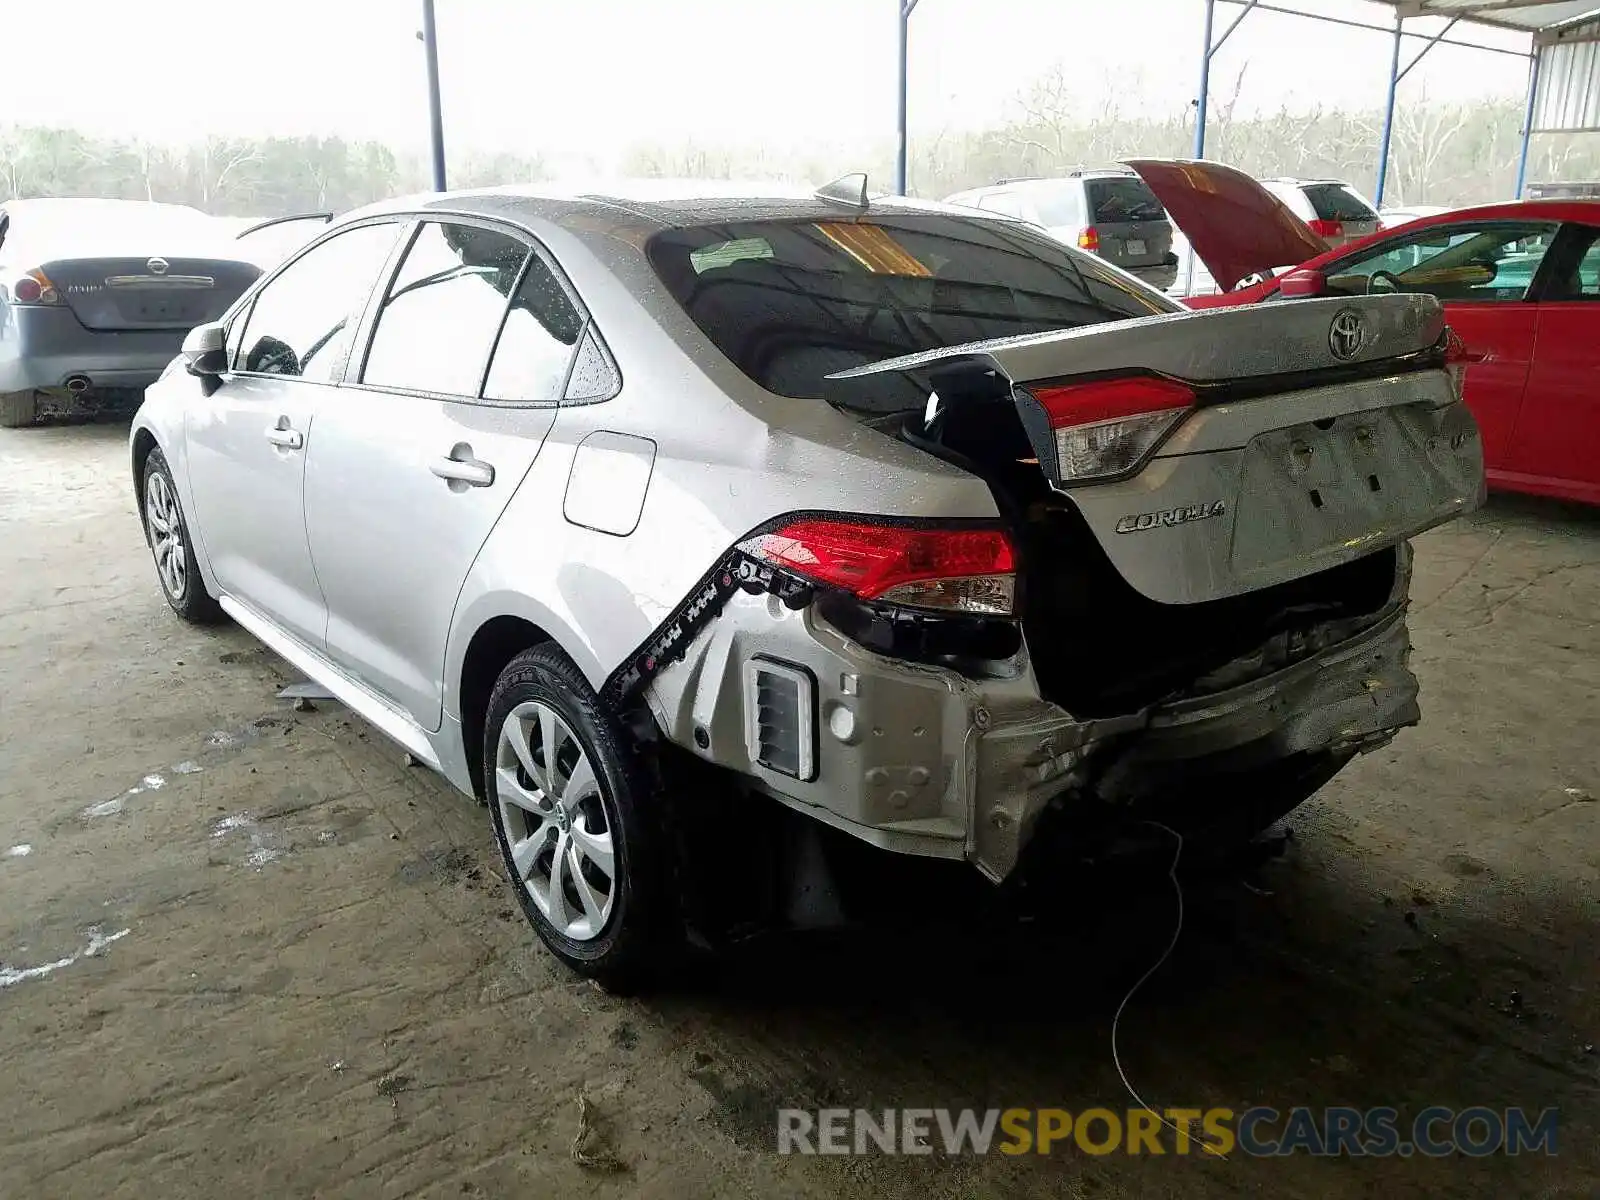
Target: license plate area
(1134,246)
(1335,485)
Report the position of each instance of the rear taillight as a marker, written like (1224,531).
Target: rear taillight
(1089,240)
(1327,229)
(1110,426)
(34,288)
(947,570)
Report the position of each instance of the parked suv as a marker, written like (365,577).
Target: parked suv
(1109,213)
(1334,210)
(651,516)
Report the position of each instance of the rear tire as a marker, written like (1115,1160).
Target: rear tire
(579,823)
(18,409)
(172,547)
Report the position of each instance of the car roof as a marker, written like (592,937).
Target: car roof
(650,205)
(1555,209)
(71,205)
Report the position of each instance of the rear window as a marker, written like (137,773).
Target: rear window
(1118,201)
(1338,202)
(791,302)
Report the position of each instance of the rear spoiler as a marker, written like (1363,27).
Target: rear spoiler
(324,217)
(1212,345)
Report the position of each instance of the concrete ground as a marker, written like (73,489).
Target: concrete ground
(247,951)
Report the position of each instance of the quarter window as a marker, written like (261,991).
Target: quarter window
(439,318)
(302,321)
(535,346)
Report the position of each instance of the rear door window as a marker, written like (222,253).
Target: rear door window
(303,319)
(1122,202)
(443,310)
(1338,202)
(826,296)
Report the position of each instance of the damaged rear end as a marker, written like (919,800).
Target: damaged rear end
(1189,602)
(1211,513)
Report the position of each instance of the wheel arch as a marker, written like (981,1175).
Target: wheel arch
(493,644)
(141,444)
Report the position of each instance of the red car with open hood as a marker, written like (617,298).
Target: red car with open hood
(1520,283)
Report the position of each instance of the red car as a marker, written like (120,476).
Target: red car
(1520,284)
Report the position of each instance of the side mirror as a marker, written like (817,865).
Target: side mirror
(1301,285)
(205,350)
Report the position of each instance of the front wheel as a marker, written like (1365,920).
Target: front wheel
(173,549)
(578,822)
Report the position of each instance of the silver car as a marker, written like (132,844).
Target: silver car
(96,296)
(685,527)
(1109,213)
(1334,210)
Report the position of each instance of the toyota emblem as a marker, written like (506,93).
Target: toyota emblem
(1347,334)
(156,266)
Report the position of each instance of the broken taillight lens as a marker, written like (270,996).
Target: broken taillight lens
(34,287)
(1456,360)
(967,570)
(1109,427)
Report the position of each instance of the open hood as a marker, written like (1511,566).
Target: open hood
(1236,227)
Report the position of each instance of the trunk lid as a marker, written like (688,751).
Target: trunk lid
(1318,432)
(149,292)
(1236,227)
(1131,224)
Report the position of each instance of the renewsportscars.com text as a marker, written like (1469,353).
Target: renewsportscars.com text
(1258,1132)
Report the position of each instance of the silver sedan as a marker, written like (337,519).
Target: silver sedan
(689,526)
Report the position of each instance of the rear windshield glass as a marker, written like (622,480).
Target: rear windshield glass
(87,226)
(1115,201)
(1336,202)
(791,302)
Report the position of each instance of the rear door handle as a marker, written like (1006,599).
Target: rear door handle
(465,469)
(289,439)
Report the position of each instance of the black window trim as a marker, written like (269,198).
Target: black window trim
(246,304)
(355,369)
(1572,242)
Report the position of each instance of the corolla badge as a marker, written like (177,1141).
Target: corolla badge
(1167,517)
(1347,334)
(157,266)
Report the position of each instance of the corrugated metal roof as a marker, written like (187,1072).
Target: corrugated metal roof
(1529,16)
(1567,99)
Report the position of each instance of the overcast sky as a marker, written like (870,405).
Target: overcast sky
(557,75)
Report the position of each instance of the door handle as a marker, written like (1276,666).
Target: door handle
(289,439)
(466,469)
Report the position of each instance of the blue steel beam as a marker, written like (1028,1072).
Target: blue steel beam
(1388,109)
(430,52)
(1205,81)
(904,8)
(1527,124)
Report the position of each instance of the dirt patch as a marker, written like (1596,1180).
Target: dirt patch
(296,951)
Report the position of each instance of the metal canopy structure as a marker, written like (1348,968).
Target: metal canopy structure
(1563,65)
(1563,62)
(1568,101)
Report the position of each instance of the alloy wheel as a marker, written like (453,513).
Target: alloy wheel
(555,821)
(165,524)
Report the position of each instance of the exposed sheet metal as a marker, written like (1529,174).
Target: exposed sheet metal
(1568,96)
